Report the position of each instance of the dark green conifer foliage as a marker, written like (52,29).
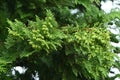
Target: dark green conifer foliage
(44,36)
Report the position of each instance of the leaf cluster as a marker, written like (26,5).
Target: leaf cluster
(71,52)
(57,44)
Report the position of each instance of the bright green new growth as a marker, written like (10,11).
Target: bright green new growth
(55,43)
(87,51)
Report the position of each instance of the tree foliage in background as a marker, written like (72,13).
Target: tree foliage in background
(44,36)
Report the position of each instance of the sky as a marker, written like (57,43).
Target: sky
(107,7)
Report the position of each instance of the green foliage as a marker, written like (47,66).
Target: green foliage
(86,50)
(91,52)
(45,37)
(40,34)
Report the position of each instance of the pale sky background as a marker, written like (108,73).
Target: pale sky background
(107,7)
